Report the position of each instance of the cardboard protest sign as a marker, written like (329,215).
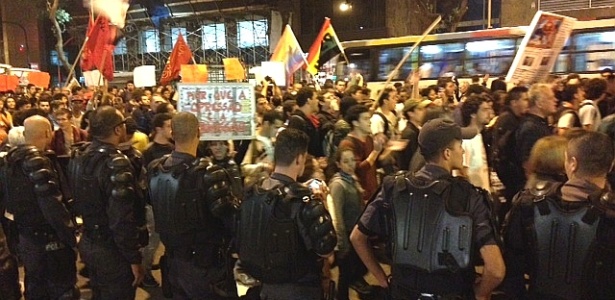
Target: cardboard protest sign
(233,69)
(144,76)
(194,73)
(93,78)
(537,54)
(226,111)
(276,70)
(40,79)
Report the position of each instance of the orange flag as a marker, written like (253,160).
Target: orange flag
(194,74)
(180,55)
(233,69)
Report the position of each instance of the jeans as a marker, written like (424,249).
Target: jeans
(110,273)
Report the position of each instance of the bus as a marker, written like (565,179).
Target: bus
(590,49)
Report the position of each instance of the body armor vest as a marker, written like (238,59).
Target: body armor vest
(181,212)
(21,201)
(270,244)
(85,171)
(428,235)
(561,241)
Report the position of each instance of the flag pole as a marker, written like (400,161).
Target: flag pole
(403,60)
(72,69)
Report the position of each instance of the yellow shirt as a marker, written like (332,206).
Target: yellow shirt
(140,140)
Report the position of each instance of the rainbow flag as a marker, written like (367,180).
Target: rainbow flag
(289,52)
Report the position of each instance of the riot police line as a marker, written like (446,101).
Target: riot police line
(436,228)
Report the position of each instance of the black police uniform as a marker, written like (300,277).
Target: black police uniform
(103,185)
(430,259)
(190,199)
(282,233)
(559,236)
(30,190)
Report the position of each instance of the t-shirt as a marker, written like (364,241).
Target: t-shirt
(475,159)
(566,121)
(589,114)
(365,171)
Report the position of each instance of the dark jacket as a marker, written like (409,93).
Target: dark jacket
(300,121)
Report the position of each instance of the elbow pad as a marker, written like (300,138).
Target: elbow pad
(319,227)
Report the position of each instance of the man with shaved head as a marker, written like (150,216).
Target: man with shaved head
(103,187)
(30,192)
(192,201)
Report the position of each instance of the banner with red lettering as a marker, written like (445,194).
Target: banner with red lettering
(226,111)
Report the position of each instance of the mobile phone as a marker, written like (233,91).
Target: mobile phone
(315,184)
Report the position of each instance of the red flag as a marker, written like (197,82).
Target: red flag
(98,51)
(180,55)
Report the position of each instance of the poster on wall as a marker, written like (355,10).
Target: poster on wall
(225,111)
(538,52)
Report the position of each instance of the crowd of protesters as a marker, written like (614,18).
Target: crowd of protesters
(513,137)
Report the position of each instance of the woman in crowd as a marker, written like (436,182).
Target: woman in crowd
(346,205)
(546,162)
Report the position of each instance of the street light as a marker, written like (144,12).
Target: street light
(25,36)
(345,6)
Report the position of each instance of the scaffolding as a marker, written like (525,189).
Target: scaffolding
(211,40)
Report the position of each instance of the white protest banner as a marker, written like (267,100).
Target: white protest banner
(226,111)
(144,76)
(276,70)
(540,47)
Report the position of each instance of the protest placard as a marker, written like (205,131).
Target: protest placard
(144,76)
(540,47)
(226,111)
(194,73)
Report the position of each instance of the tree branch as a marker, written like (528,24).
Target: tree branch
(52,8)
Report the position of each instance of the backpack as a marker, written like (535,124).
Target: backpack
(386,123)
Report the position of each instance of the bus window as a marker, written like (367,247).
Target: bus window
(492,57)
(562,63)
(359,62)
(389,58)
(594,51)
(438,60)
(493,66)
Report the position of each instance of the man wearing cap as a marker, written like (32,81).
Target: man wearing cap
(414,111)
(435,225)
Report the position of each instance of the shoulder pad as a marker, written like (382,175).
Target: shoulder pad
(543,188)
(119,161)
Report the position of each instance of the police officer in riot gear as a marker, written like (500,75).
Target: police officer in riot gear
(191,199)
(30,192)
(563,235)
(434,225)
(103,185)
(285,227)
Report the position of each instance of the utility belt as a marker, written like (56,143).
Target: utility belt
(44,236)
(204,256)
(97,233)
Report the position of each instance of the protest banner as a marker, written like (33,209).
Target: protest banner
(538,52)
(144,76)
(225,110)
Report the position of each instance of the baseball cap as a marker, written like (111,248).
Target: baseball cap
(414,103)
(436,134)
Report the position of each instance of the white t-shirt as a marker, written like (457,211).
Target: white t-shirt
(566,121)
(589,114)
(378,123)
(475,159)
